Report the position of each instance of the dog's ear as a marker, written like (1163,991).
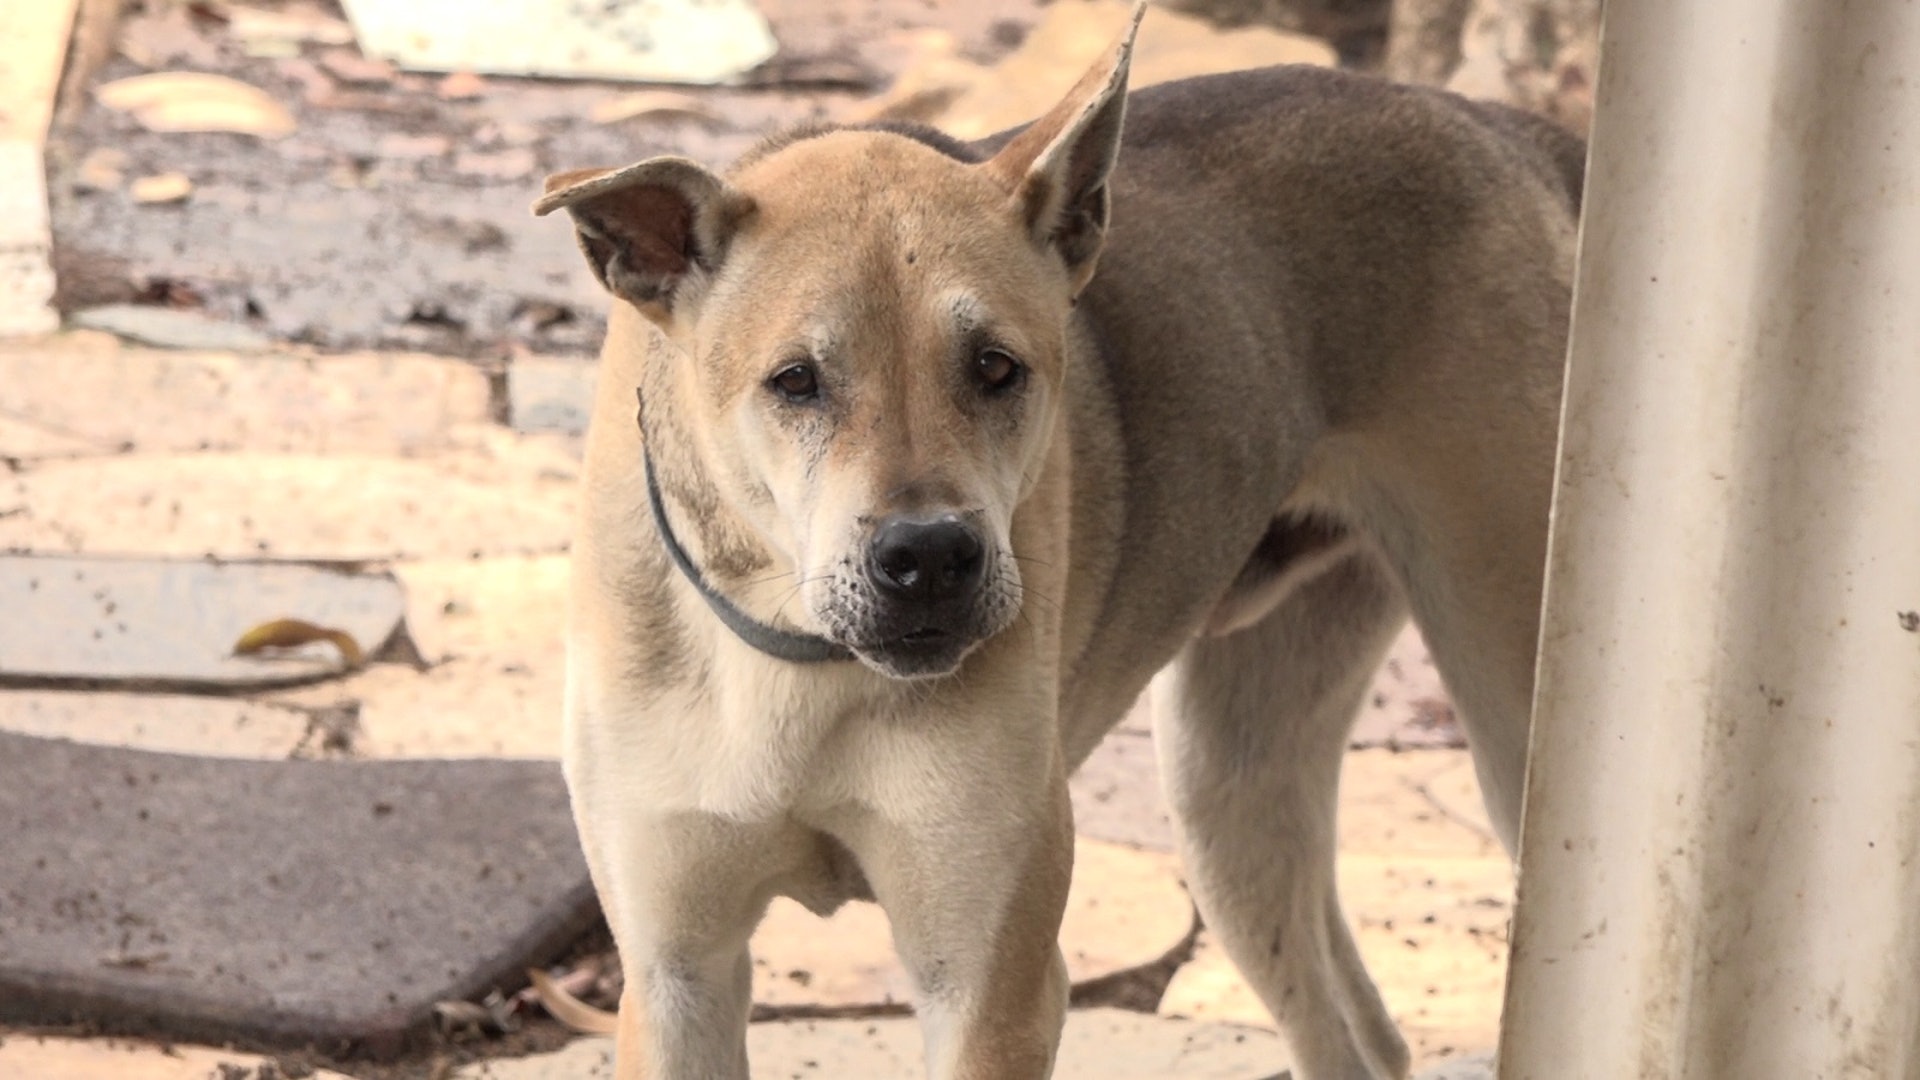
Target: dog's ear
(652,232)
(1057,168)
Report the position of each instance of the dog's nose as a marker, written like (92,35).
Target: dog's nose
(927,561)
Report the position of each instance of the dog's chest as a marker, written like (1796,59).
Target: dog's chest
(752,742)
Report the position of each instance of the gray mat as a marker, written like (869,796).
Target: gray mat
(275,903)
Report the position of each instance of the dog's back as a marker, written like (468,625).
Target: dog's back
(1386,279)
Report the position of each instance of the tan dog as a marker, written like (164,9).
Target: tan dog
(916,503)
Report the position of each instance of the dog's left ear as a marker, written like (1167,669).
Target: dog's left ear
(1057,168)
(653,233)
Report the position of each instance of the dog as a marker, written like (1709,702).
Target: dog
(914,461)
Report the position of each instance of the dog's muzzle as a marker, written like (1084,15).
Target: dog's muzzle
(926,575)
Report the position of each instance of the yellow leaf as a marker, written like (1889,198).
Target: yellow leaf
(289,633)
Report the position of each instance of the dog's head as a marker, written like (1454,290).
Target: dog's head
(868,338)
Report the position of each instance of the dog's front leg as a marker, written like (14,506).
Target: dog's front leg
(683,899)
(975,890)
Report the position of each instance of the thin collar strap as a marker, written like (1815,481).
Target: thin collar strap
(775,642)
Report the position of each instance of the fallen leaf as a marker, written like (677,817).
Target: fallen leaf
(348,66)
(264,32)
(164,188)
(290,633)
(181,101)
(103,169)
(652,103)
(570,1010)
(462,1019)
(461,86)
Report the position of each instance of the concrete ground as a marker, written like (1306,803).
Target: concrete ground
(109,448)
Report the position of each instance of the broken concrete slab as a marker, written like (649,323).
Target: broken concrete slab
(286,903)
(971,100)
(493,631)
(1422,802)
(55,1057)
(1098,1044)
(472,707)
(156,624)
(1116,794)
(167,327)
(166,723)
(26,243)
(114,398)
(467,501)
(685,41)
(1407,705)
(1469,1067)
(547,393)
(1428,896)
(33,50)
(1127,909)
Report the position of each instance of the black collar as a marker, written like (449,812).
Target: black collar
(775,642)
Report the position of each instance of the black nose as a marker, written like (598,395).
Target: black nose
(927,561)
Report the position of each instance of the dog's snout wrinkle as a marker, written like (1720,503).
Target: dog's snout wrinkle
(927,561)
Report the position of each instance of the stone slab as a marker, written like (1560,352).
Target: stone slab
(1407,706)
(33,50)
(172,624)
(1098,1044)
(1415,802)
(689,41)
(547,393)
(474,502)
(287,903)
(52,1057)
(492,629)
(170,328)
(1126,909)
(112,398)
(1117,797)
(1428,893)
(167,723)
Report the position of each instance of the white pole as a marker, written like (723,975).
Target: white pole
(1720,867)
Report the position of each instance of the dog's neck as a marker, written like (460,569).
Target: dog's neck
(794,648)
(723,548)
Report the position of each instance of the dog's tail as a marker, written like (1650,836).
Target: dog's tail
(570,1010)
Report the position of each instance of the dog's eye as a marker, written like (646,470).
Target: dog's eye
(796,383)
(998,370)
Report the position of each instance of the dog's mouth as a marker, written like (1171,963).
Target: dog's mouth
(922,653)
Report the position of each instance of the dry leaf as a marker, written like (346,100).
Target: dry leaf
(570,1010)
(173,101)
(652,103)
(290,633)
(264,32)
(461,86)
(164,188)
(103,169)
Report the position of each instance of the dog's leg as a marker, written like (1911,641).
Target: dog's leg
(975,895)
(1251,729)
(682,906)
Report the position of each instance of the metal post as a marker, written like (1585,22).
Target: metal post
(1720,866)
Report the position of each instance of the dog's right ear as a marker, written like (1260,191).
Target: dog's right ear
(654,233)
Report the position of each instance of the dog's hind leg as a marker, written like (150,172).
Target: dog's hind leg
(1251,729)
